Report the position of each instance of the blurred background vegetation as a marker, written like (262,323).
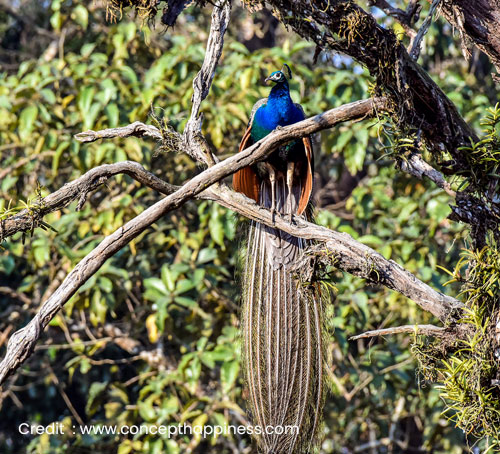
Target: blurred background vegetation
(152,338)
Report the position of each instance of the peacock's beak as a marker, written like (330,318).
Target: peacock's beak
(268,79)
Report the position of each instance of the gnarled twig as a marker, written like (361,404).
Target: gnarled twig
(78,189)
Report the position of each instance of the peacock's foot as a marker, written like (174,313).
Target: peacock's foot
(273,215)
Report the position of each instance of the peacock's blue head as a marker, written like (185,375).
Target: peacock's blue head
(281,76)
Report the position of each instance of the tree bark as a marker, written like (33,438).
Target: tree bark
(478,22)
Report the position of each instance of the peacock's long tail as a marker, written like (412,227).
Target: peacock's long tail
(281,337)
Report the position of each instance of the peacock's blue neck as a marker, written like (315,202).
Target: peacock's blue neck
(278,111)
(280,97)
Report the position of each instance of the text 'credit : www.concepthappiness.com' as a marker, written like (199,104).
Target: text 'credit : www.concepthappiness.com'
(146,429)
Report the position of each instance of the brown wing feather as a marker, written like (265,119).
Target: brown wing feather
(245,180)
(307,183)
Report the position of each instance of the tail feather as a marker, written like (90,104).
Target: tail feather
(282,332)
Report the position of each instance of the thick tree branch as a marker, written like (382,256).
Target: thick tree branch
(27,220)
(476,22)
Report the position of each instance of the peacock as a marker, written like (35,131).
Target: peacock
(281,319)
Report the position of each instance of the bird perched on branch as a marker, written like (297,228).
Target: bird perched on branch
(281,316)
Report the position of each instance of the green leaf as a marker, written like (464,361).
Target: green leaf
(98,308)
(27,122)
(105,284)
(186,302)
(192,373)
(170,406)
(7,264)
(56,21)
(228,374)
(125,447)
(87,50)
(85,365)
(216,226)
(162,310)
(90,117)
(93,402)
(85,100)
(48,95)
(183,286)
(168,277)
(80,15)
(7,182)
(407,209)
(371,240)
(108,91)
(41,252)
(438,210)
(62,147)
(146,409)
(113,114)
(156,287)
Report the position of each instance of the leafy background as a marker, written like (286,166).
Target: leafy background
(152,338)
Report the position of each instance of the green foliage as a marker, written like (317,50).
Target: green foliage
(484,156)
(152,337)
(468,367)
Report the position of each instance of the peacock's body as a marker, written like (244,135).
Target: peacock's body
(281,319)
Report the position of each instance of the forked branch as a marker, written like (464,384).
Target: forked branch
(347,253)
(27,220)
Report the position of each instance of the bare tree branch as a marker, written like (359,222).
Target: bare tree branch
(22,342)
(27,220)
(416,166)
(136,129)
(346,254)
(415,49)
(427,330)
(201,85)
